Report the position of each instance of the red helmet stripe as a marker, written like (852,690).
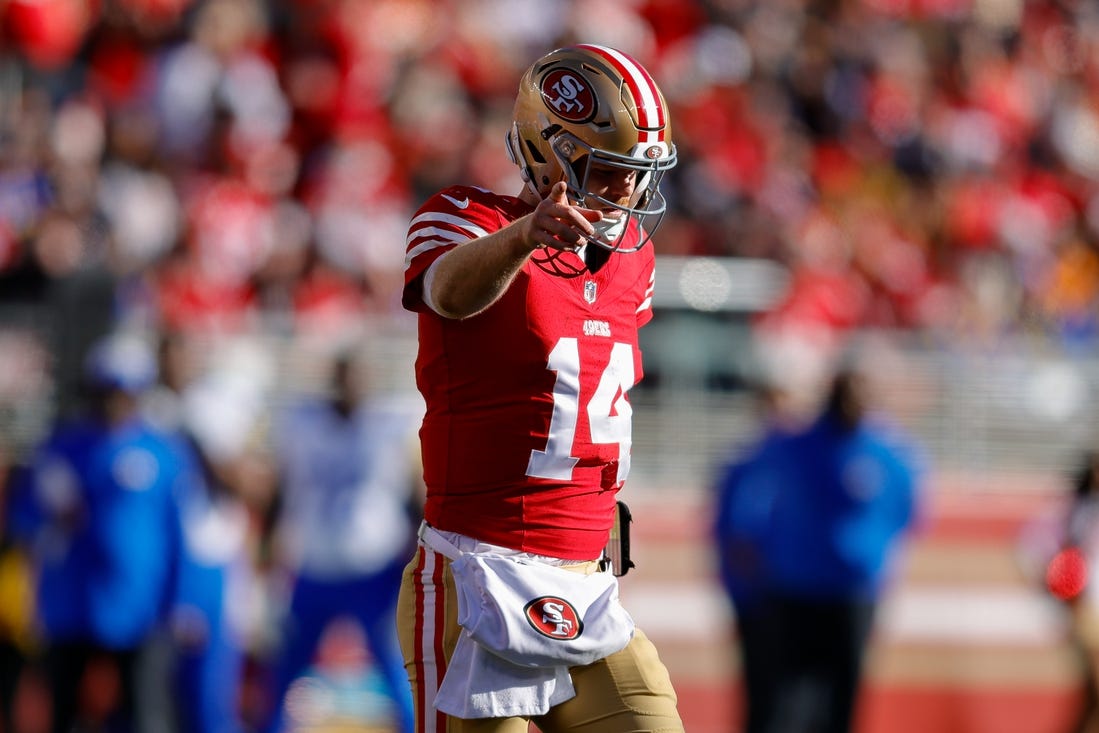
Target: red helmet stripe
(642,87)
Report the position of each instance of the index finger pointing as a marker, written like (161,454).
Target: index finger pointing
(557,193)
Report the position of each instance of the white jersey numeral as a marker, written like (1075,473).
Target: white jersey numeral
(609,412)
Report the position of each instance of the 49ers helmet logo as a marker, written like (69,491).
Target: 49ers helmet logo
(554,617)
(569,95)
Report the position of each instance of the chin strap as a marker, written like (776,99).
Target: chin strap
(609,230)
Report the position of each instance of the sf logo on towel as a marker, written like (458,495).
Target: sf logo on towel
(554,617)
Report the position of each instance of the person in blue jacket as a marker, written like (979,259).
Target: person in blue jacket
(845,490)
(102,486)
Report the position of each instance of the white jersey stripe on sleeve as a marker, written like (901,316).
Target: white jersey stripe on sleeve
(446,235)
(427,238)
(426,246)
(438,217)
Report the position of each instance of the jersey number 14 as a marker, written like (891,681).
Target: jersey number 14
(609,413)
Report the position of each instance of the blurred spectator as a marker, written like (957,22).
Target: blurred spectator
(212,572)
(179,365)
(349,468)
(103,486)
(837,495)
(1081,533)
(222,619)
(1059,551)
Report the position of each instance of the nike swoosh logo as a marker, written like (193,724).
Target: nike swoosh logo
(460,203)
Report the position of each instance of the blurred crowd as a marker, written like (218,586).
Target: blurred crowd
(202,164)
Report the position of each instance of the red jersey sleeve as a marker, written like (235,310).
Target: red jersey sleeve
(451,217)
(645,310)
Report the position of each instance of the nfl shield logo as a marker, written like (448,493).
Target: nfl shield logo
(589,291)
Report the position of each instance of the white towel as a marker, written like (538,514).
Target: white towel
(524,624)
(539,615)
(479,684)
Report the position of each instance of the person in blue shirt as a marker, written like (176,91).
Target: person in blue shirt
(349,469)
(845,489)
(102,487)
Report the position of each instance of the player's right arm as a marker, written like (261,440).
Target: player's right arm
(471,277)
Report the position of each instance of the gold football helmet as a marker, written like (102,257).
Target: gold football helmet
(588,106)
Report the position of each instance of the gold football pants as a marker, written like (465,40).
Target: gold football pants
(628,692)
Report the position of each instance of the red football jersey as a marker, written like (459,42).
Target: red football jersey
(526,439)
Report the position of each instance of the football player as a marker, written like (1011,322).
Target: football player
(529,307)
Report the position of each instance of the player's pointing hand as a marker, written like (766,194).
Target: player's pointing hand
(559,224)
